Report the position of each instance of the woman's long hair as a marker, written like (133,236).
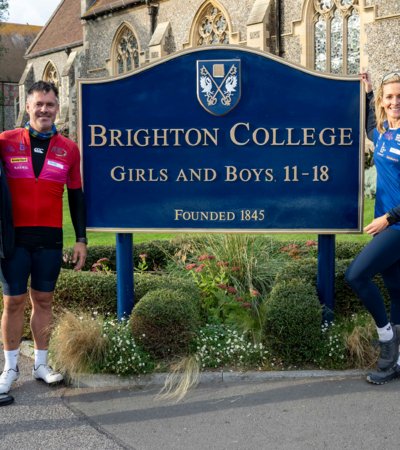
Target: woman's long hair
(379,109)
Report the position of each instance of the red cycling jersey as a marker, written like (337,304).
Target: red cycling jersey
(38,201)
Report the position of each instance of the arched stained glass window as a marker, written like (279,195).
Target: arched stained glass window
(336,36)
(126,51)
(51,75)
(212,26)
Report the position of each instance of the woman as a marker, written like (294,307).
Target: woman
(382,254)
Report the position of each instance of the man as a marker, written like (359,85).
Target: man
(38,162)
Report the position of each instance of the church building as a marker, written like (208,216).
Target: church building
(104,38)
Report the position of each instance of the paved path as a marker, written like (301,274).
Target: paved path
(39,419)
(285,414)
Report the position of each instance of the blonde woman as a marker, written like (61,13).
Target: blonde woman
(382,254)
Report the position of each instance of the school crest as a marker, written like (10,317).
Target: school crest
(219,85)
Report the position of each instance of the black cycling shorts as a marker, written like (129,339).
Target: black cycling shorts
(42,264)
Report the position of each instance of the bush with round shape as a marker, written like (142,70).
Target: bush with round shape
(165,321)
(146,282)
(292,327)
(346,300)
(305,269)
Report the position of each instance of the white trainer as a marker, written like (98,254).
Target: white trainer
(47,374)
(7,378)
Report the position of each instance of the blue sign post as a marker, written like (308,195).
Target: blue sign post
(223,139)
(125,290)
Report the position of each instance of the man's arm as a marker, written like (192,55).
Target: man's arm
(77,209)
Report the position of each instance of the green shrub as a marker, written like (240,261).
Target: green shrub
(98,291)
(95,253)
(305,269)
(122,355)
(157,254)
(145,282)
(346,300)
(218,345)
(86,290)
(165,321)
(348,250)
(92,291)
(292,327)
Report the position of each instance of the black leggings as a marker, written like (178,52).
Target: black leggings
(381,255)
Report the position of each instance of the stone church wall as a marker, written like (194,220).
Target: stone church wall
(98,51)
(380,22)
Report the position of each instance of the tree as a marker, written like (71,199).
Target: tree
(3,18)
(3,10)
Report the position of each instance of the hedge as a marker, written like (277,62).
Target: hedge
(157,254)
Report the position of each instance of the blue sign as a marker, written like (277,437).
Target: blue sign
(222,139)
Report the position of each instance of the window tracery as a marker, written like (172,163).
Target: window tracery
(126,51)
(336,36)
(212,27)
(51,75)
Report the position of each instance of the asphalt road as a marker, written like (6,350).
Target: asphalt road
(290,413)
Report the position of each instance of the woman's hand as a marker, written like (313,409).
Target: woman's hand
(365,78)
(377,225)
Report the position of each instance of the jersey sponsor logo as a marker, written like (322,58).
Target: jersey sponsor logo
(21,167)
(59,151)
(10,149)
(19,160)
(388,135)
(55,164)
(396,151)
(397,138)
(38,150)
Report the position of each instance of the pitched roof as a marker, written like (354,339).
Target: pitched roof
(100,7)
(15,39)
(62,30)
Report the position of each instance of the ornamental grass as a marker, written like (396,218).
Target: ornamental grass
(77,344)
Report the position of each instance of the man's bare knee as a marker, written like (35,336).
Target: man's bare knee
(40,299)
(14,304)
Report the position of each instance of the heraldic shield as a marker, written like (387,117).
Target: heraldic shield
(219,85)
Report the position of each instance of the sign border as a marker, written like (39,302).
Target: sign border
(359,230)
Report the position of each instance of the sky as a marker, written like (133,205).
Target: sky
(33,12)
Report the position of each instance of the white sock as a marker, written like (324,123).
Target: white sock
(11,359)
(385,333)
(40,357)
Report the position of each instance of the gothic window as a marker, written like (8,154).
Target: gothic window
(336,36)
(126,55)
(212,26)
(51,75)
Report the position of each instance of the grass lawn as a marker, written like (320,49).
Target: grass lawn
(101,238)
